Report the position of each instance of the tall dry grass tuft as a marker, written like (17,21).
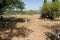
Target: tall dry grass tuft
(55,32)
(8,29)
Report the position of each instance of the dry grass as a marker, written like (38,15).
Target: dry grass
(38,26)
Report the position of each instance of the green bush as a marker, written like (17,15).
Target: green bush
(30,12)
(50,10)
(13,12)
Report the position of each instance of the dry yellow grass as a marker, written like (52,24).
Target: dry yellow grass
(35,24)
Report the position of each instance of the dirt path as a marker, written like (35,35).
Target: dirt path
(37,25)
(38,31)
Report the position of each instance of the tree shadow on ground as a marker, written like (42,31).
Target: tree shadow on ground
(8,29)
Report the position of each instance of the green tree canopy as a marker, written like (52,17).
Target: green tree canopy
(10,3)
(50,10)
(45,1)
(55,0)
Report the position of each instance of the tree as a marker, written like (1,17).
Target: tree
(10,3)
(45,1)
(21,6)
(50,10)
(55,0)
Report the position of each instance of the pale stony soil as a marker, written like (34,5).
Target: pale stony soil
(35,24)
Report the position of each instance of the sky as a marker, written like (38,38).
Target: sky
(33,4)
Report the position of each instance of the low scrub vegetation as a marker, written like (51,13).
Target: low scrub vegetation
(30,12)
(50,10)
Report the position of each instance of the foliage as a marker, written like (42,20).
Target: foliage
(11,3)
(55,0)
(13,12)
(30,12)
(21,6)
(45,1)
(50,10)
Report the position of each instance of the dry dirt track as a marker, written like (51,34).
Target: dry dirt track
(37,25)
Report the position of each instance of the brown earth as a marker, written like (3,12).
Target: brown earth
(36,25)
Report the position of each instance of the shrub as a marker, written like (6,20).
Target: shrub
(30,12)
(50,10)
